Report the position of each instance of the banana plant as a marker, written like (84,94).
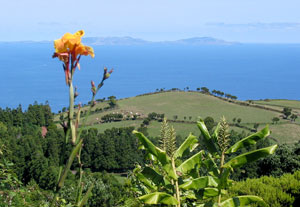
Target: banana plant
(218,148)
(167,178)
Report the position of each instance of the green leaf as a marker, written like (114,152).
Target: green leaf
(199,183)
(190,163)
(86,196)
(158,153)
(241,201)
(159,198)
(211,166)
(208,141)
(214,136)
(69,163)
(210,192)
(248,157)
(154,176)
(206,193)
(250,140)
(143,179)
(189,143)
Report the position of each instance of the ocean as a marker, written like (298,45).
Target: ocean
(248,71)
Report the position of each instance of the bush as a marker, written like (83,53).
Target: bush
(276,192)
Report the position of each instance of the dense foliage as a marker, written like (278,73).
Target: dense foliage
(32,161)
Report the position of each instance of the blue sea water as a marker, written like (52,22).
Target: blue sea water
(248,71)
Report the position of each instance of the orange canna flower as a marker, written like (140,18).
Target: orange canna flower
(71,43)
(70,46)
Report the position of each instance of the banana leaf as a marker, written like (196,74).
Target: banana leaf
(152,175)
(190,163)
(242,201)
(158,198)
(189,143)
(146,181)
(250,140)
(248,157)
(215,135)
(158,153)
(206,193)
(200,183)
(208,141)
(211,166)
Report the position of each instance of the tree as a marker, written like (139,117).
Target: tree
(204,90)
(286,112)
(175,117)
(255,126)
(294,117)
(209,122)
(214,92)
(275,120)
(146,121)
(239,120)
(112,101)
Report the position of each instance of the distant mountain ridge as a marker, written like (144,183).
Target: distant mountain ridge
(137,41)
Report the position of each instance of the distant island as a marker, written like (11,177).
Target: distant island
(137,41)
(126,41)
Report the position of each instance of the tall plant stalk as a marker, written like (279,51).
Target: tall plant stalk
(69,50)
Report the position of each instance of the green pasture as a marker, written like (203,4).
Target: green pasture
(294,104)
(194,105)
(189,106)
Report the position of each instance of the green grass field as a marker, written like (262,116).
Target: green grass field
(128,123)
(191,105)
(294,104)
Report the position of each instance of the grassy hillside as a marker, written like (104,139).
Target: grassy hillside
(186,104)
(294,104)
(191,105)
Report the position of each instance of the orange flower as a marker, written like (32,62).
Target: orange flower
(70,46)
(71,43)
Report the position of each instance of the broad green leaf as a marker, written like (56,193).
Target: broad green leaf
(250,140)
(69,163)
(242,201)
(159,198)
(211,166)
(158,153)
(189,143)
(190,163)
(145,181)
(207,138)
(137,171)
(210,192)
(224,178)
(86,196)
(152,175)
(248,157)
(215,135)
(206,193)
(199,183)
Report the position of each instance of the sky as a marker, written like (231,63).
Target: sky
(253,21)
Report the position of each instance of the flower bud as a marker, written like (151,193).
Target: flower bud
(106,76)
(93,84)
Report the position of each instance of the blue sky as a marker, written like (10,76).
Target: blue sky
(265,21)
